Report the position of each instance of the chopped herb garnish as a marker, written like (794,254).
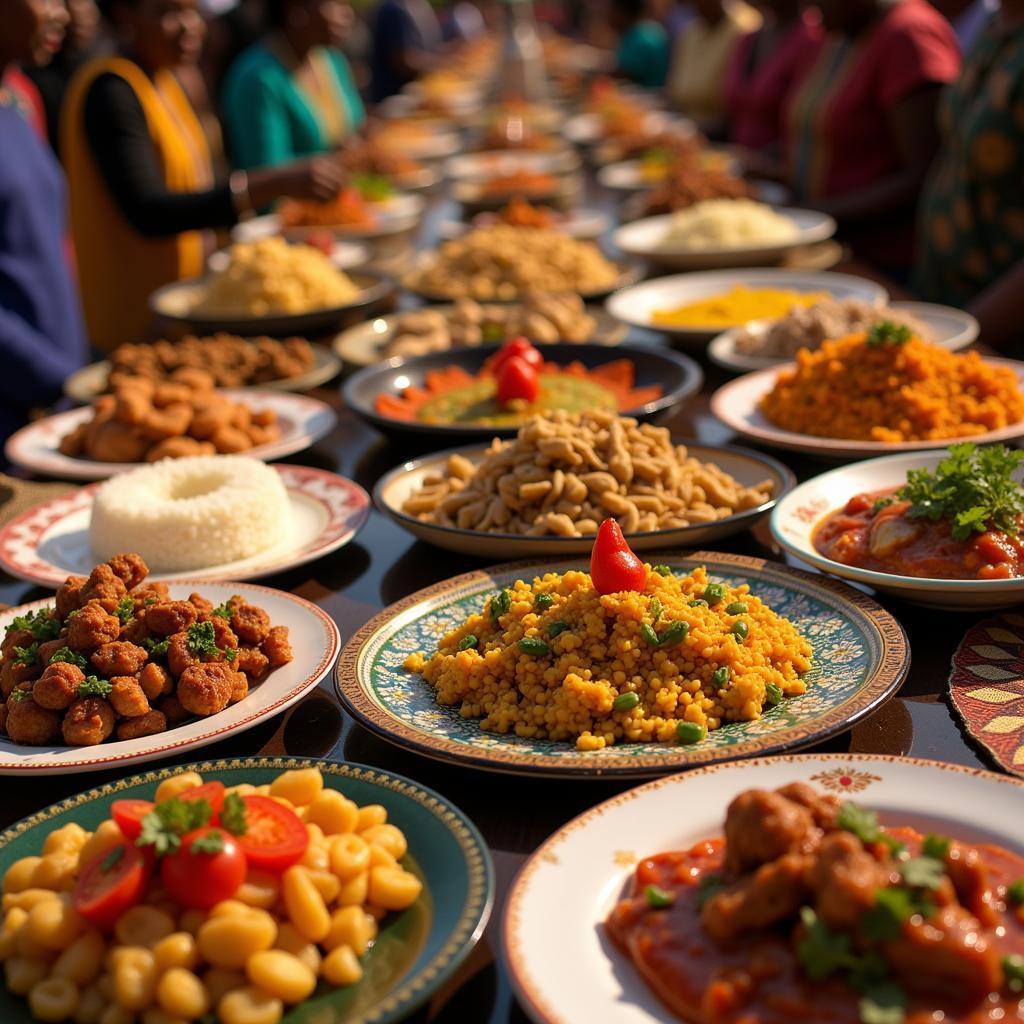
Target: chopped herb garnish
(212,842)
(468,642)
(884,1004)
(230,654)
(156,648)
(881,503)
(1013,972)
(42,624)
(201,639)
(112,859)
(707,887)
(1015,892)
(65,654)
(500,604)
(935,846)
(149,602)
(232,815)
(164,826)
(17,696)
(125,610)
(923,872)
(222,611)
(658,898)
(892,907)
(93,686)
(888,332)
(662,570)
(822,952)
(27,655)
(543,601)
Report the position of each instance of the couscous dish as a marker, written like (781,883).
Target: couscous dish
(668,661)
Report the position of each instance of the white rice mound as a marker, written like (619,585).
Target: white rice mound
(191,513)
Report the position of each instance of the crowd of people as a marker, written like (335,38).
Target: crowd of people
(131,132)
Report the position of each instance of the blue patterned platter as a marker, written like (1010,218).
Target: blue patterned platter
(417,950)
(860,658)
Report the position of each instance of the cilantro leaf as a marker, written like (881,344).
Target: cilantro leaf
(222,611)
(212,842)
(164,826)
(822,952)
(201,639)
(888,332)
(125,610)
(27,655)
(923,872)
(156,648)
(230,654)
(42,624)
(69,656)
(858,820)
(93,686)
(935,846)
(232,815)
(892,907)
(886,1003)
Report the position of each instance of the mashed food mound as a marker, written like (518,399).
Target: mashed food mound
(728,224)
(190,513)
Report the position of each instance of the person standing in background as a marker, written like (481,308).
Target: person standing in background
(642,52)
(42,339)
(292,94)
(405,39)
(761,72)
(700,58)
(972,211)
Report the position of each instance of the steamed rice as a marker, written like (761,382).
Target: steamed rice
(191,513)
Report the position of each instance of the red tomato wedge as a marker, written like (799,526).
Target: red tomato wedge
(129,814)
(111,884)
(275,837)
(202,879)
(212,792)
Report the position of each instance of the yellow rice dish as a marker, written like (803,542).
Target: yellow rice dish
(738,305)
(555,659)
(270,276)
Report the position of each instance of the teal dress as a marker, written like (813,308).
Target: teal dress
(271,120)
(643,54)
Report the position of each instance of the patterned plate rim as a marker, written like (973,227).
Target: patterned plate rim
(891,669)
(537,1006)
(337,532)
(332,639)
(479,865)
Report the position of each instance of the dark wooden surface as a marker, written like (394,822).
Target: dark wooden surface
(384,564)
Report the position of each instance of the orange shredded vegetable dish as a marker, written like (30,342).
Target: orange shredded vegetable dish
(347,209)
(914,391)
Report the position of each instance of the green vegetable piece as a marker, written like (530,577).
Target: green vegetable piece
(1013,972)
(656,609)
(543,601)
(230,654)
(468,641)
(17,696)
(626,701)
(156,648)
(821,951)
(222,611)
(721,676)
(690,732)
(232,815)
(888,332)
(1015,892)
(883,1004)
(662,570)
(740,630)
(534,646)
(713,593)
(125,610)
(27,655)
(42,624)
(923,872)
(557,628)
(93,686)
(212,842)
(164,826)
(699,603)
(737,608)
(649,635)
(892,907)
(675,633)
(935,846)
(881,503)
(658,898)
(202,640)
(858,820)
(112,859)
(707,887)
(67,655)
(773,694)
(500,604)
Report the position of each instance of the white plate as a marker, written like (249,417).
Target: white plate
(737,405)
(628,175)
(587,224)
(565,891)
(636,305)
(344,256)
(478,167)
(951,328)
(800,512)
(50,541)
(302,420)
(645,238)
(315,642)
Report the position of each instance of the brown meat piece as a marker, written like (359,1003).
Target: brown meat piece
(127,697)
(845,878)
(110,441)
(169,422)
(239,687)
(972,884)
(31,725)
(201,605)
(170,617)
(73,443)
(179,655)
(16,638)
(57,688)
(134,632)
(178,448)
(69,595)
(250,624)
(223,635)
(761,826)
(277,647)
(90,720)
(119,659)
(167,395)
(774,892)
(154,593)
(104,587)
(3,718)
(170,707)
(92,627)
(252,661)
(129,568)
(823,806)
(205,689)
(48,649)
(145,725)
(155,681)
(945,958)
(13,674)
(230,440)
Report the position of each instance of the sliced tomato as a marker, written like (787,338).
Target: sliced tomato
(112,883)
(275,837)
(199,878)
(516,348)
(212,792)
(129,814)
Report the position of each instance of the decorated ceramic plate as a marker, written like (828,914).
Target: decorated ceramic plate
(303,421)
(584,868)
(50,541)
(391,217)
(315,642)
(366,343)
(951,328)
(799,514)
(646,239)
(560,192)
(417,950)
(737,405)
(91,381)
(749,468)
(860,658)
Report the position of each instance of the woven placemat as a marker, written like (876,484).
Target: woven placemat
(18,495)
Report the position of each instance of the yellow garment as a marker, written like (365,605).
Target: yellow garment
(700,60)
(117,266)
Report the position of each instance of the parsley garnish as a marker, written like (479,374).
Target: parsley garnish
(17,696)
(232,815)
(864,825)
(201,639)
(93,686)
(935,846)
(125,610)
(70,656)
(888,332)
(972,487)
(884,1004)
(923,872)
(822,952)
(881,503)
(156,648)
(149,602)
(41,624)
(1013,972)
(212,842)
(222,611)
(164,826)
(230,654)
(27,655)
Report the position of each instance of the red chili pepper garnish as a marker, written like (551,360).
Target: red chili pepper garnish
(613,566)
(517,380)
(515,348)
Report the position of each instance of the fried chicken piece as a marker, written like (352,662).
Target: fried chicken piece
(179,447)
(15,638)
(127,697)
(13,674)
(201,605)
(252,661)
(171,421)
(761,826)
(148,724)
(73,444)
(170,617)
(49,648)
(845,877)
(90,720)
(155,681)
(114,442)
(193,378)
(223,635)
(69,595)
(134,632)
(179,655)
(129,568)
(211,414)
(251,624)
(104,587)
(972,883)
(206,689)
(823,806)
(119,659)
(30,724)
(91,627)
(170,707)
(168,394)
(230,440)
(239,687)
(57,688)
(277,647)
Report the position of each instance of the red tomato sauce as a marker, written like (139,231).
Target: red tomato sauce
(757,979)
(892,542)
